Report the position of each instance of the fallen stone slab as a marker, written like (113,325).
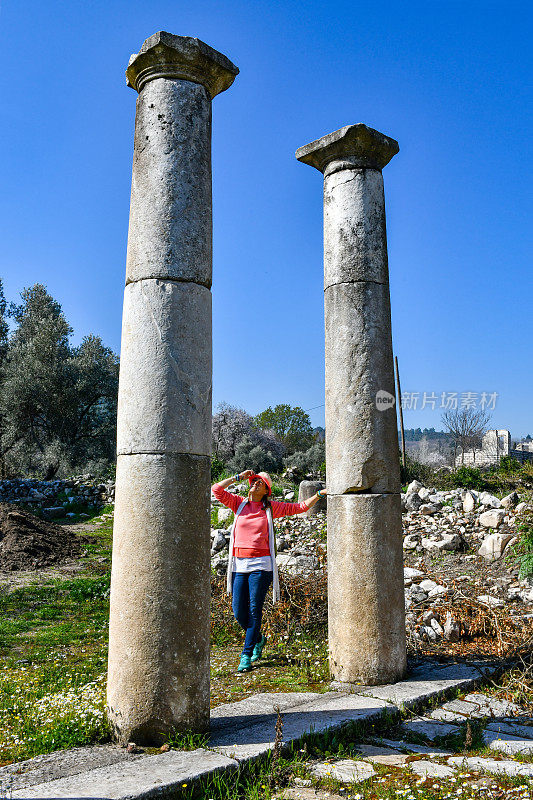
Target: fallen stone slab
(430,728)
(161,775)
(478,764)
(305,793)
(508,744)
(409,748)
(455,710)
(346,771)
(62,764)
(426,682)
(387,756)
(492,707)
(430,769)
(515,729)
(242,742)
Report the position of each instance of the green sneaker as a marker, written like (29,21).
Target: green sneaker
(245,664)
(258,649)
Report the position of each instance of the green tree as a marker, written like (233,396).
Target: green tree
(291,425)
(58,403)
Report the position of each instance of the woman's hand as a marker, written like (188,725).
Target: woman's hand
(311,501)
(246,474)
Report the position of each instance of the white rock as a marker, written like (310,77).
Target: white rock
(428,509)
(429,633)
(468,502)
(429,769)
(494,545)
(414,487)
(452,631)
(488,600)
(487,499)
(491,519)
(520,508)
(512,768)
(437,627)
(224,514)
(438,591)
(410,542)
(424,493)
(509,500)
(410,572)
(427,585)
(345,770)
(219,542)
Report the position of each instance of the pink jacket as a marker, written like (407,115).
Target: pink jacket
(251,528)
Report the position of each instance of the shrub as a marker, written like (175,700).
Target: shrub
(416,471)
(311,460)
(509,465)
(249,455)
(217,469)
(469,478)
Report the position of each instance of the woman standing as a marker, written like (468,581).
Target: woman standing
(252,560)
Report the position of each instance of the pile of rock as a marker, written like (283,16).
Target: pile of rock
(459,519)
(55,498)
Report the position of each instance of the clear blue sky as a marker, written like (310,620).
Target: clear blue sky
(449,80)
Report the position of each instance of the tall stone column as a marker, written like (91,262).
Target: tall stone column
(365,559)
(158,678)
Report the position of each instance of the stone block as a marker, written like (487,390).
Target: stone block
(355,237)
(365,589)
(308,489)
(491,519)
(362,442)
(162,775)
(507,743)
(164,400)
(493,546)
(475,763)
(160,597)
(430,769)
(382,755)
(170,231)
(346,770)
(430,729)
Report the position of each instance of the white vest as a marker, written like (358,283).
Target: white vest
(271,547)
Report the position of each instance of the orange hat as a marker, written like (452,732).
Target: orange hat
(265,477)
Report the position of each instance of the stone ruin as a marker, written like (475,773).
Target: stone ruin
(495,444)
(158,678)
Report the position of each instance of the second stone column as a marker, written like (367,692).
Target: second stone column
(366,616)
(158,680)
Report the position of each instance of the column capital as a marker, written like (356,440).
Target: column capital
(352,147)
(164,55)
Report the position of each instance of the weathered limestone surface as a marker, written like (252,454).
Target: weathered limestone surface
(170,217)
(355,237)
(365,569)
(158,677)
(308,489)
(362,441)
(365,588)
(165,384)
(159,625)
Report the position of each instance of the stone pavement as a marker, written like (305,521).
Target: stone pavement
(244,731)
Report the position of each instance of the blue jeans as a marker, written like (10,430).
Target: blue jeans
(249,591)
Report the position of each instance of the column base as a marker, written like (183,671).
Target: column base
(366,609)
(158,679)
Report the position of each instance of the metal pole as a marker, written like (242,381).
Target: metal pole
(399,405)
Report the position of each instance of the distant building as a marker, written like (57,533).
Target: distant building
(525,446)
(494,446)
